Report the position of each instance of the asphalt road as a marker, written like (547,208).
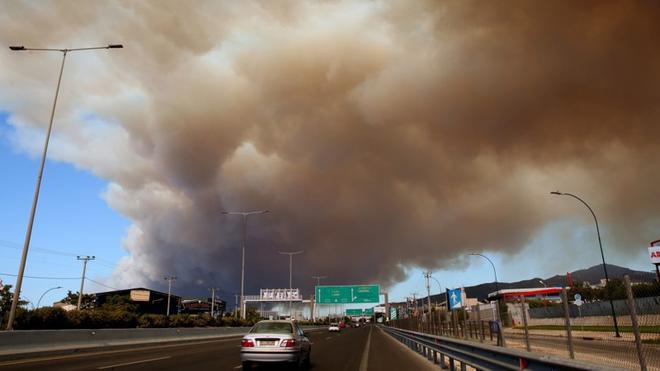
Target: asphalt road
(360,349)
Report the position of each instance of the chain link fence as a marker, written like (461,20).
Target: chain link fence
(585,332)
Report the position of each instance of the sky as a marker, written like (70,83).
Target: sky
(386,138)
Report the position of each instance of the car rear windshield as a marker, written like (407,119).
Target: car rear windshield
(272,328)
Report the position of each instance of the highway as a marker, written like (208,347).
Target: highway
(356,349)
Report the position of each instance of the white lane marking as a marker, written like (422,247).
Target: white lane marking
(364,364)
(237,367)
(134,363)
(328,338)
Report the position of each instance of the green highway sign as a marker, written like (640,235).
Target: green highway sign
(347,294)
(360,312)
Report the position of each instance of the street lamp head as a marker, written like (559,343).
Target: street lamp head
(17,47)
(115,46)
(556,193)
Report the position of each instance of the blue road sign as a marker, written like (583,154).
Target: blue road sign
(455,299)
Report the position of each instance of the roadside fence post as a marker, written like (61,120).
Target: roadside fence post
(524,316)
(480,324)
(635,324)
(567,322)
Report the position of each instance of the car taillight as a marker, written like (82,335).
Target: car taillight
(247,343)
(288,343)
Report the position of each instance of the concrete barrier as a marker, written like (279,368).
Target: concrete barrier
(22,343)
(30,341)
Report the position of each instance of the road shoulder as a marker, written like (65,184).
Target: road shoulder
(386,353)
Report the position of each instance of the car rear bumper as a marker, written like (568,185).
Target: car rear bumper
(266,356)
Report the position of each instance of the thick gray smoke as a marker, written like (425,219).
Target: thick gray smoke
(381,135)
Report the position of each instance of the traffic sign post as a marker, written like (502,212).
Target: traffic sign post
(393,314)
(348,294)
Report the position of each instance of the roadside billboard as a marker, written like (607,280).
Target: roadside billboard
(654,254)
(140,295)
(279,294)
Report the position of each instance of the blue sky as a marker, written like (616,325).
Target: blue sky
(73,219)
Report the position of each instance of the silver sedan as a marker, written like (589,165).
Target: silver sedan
(275,341)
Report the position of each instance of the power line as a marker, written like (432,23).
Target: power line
(15,245)
(100,284)
(41,278)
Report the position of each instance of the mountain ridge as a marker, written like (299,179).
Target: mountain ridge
(592,275)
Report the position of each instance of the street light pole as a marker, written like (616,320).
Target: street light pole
(439,285)
(316,300)
(291,254)
(497,286)
(244,214)
(602,255)
(45,292)
(28,232)
(85,259)
(169,280)
(497,303)
(213,301)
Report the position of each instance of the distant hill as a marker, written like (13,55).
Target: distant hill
(592,275)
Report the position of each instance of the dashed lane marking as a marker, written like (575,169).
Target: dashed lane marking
(364,364)
(134,362)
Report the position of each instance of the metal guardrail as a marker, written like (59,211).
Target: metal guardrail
(455,354)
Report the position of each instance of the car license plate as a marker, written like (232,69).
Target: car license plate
(267,342)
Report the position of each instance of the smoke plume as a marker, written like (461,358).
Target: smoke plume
(381,135)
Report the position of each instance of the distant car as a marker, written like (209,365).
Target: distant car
(276,341)
(356,324)
(334,327)
(342,324)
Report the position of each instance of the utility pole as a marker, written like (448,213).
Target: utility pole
(169,280)
(291,254)
(85,259)
(427,275)
(414,295)
(236,306)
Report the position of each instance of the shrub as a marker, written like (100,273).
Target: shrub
(153,321)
